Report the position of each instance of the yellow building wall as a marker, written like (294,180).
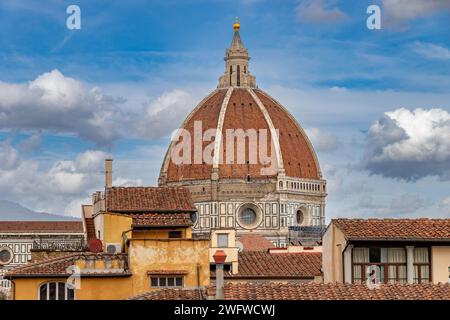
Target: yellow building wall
(144,254)
(27,288)
(440,263)
(105,288)
(113,227)
(173,254)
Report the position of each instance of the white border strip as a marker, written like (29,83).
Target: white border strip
(273,131)
(218,138)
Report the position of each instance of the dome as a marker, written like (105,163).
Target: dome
(246,109)
(245,160)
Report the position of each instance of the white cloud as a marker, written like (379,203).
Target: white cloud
(398,206)
(74,207)
(9,157)
(125,182)
(165,113)
(444,205)
(398,14)
(322,141)
(410,145)
(320,11)
(52,189)
(33,142)
(59,104)
(410,9)
(88,161)
(431,51)
(56,103)
(406,203)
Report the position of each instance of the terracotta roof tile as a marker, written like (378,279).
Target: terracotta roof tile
(242,112)
(172,294)
(148,199)
(41,227)
(253,265)
(255,242)
(309,291)
(314,291)
(162,220)
(51,267)
(55,266)
(394,229)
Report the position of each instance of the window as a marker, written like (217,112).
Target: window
(390,261)
(238,76)
(175,234)
(248,216)
(421,265)
(300,217)
(6,255)
(222,240)
(56,291)
(166,282)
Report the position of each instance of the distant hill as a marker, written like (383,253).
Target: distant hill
(12,211)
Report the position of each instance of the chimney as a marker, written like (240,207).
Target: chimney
(108,173)
(219,259)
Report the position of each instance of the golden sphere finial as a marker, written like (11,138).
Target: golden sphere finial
(236,24)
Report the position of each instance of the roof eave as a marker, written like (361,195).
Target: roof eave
(134,226)
(58,275)
(401,239)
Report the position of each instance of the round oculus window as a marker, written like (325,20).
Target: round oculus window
(6,255)
(248,216)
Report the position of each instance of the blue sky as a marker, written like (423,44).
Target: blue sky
(129,76)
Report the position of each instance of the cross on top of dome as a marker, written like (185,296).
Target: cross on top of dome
(236,58)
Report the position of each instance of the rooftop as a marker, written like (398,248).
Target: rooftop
(41,227)
(173,294)
(162,220)
(255,242)
(57,267)
(309,291)
(258,264)
(149,199)
(395,229)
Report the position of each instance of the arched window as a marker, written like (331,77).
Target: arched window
(56,291)
(231,72)
(238,76)
(300,217)
(281,184)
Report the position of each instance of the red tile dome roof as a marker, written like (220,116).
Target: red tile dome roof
(237,103)
(243,112)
